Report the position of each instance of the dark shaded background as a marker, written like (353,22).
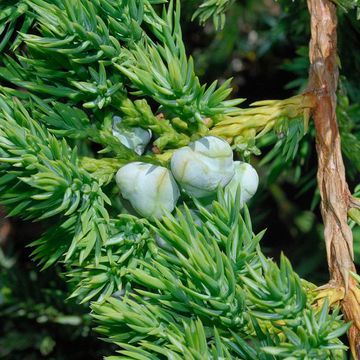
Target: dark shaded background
(264,48)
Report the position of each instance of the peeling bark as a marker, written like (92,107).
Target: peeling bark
(335,194)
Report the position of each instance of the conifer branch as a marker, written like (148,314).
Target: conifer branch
(41,178)
(196,283)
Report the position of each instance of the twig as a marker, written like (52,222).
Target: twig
(333,187)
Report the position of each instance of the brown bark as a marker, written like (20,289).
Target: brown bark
(335,194)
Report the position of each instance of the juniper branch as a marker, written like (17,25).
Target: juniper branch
(40,178)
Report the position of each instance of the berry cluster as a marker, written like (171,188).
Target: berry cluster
(199,169)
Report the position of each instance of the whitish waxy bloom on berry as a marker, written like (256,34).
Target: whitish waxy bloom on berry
(151,190)
(245,178)
(203,166)
(135,138)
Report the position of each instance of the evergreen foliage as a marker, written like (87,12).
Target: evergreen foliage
(186,287)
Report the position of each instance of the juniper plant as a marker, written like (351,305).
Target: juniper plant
(193,284)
